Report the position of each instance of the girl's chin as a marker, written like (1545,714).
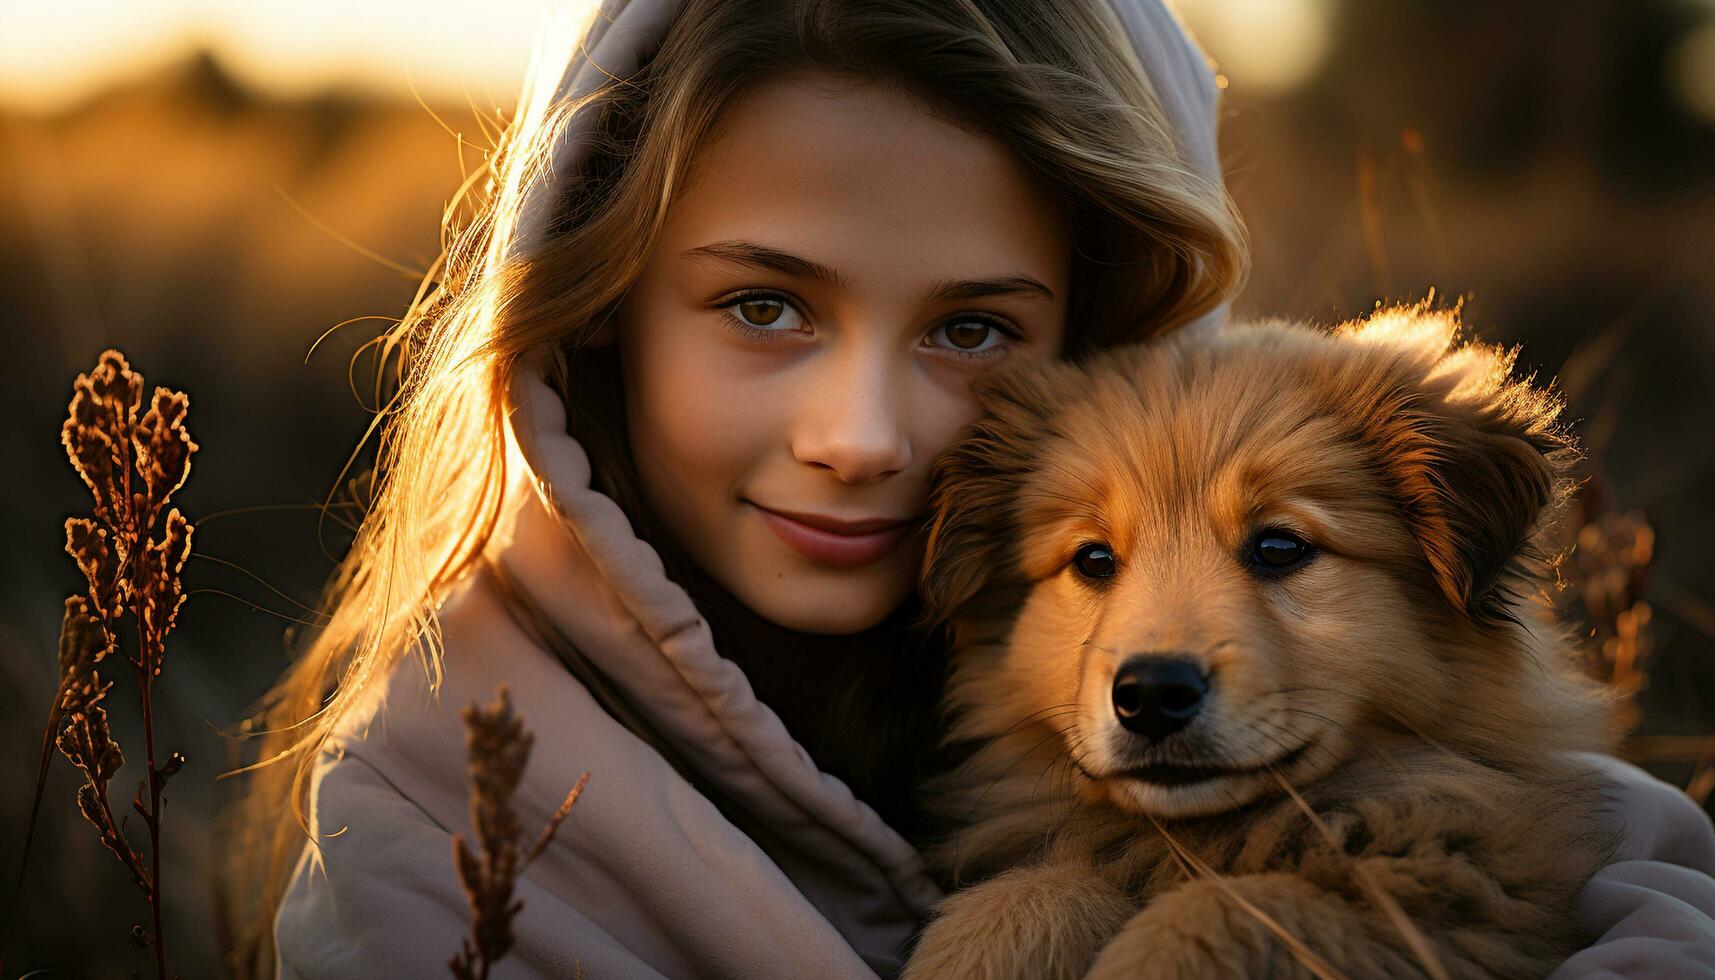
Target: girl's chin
(833,603)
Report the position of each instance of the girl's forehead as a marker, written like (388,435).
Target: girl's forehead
(863,177)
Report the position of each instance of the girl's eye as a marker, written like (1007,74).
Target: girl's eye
(975,336)
(765,315)
(1275,551)
(1095,561)
(761,314)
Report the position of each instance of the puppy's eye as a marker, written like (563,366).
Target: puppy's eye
(1094,561)
(1274,550)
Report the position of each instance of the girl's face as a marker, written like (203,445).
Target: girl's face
(803,338)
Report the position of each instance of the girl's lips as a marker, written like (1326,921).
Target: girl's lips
(838,550)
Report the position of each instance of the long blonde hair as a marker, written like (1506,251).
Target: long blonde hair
(1158,243)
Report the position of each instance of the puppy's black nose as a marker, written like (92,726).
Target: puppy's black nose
(1156,697)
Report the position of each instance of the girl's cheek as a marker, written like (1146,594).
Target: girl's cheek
(701,402)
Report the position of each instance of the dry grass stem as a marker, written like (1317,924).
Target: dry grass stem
(1606,573)
(547,835)
(1608,570)
(1195,867)
(131,551)
(1408,931)
(498,747)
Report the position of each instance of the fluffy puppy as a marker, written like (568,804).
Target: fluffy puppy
(1248,641)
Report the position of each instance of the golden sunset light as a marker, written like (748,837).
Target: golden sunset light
(51,55)
(938,484)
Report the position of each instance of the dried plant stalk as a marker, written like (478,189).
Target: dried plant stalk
(132,465)
(1606,572)
(1196,868)
(498,748)
(1605,568)
(1608,569)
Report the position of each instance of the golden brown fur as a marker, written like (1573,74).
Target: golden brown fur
(1400,678)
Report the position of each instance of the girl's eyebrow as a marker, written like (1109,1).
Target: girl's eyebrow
(773,259)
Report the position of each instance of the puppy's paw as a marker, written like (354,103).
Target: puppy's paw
(1046,921)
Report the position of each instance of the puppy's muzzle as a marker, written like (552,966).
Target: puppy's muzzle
(1155,696)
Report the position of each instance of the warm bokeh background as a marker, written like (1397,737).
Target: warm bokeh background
(197,183)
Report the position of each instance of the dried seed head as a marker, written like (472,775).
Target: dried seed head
(498,748)
(80,693)
(92,803)
(89,804)
(93,549)
(127,570)
(1607,573)
(159,589)
(1611,563)
(97,433)
(83,641)
(164,446)
(88,743)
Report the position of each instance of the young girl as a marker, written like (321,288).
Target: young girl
(676,391)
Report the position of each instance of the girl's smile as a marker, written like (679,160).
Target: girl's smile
(842,544)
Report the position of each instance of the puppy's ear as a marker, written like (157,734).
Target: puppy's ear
(1476,457)
(973,527)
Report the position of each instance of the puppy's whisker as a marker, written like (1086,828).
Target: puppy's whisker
(1306,744)
(1039,715)
(1098,646)
(1058,709)
(1420,733)
(995,743)
(1056,733)
(1071,756)
(1060,759)
(1298,689)
(1263,729)
(1036,784)
(1281,736)
(1387,759)
(1067,809)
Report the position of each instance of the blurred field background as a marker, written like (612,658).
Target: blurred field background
(211,193)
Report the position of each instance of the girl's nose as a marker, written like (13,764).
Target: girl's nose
(851,421)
